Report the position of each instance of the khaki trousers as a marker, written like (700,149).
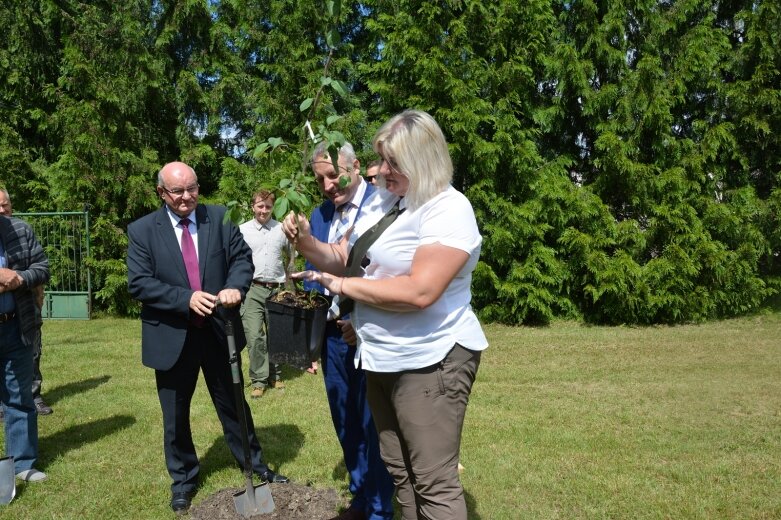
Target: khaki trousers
(254,320)
(419,415)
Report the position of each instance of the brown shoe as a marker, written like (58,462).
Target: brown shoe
(278,385)
(257,392)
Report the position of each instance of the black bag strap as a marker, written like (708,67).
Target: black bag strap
(361,246)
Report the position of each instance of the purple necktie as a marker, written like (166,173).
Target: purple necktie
(190,258)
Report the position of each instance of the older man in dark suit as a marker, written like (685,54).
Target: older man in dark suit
(181,260)
(23,266)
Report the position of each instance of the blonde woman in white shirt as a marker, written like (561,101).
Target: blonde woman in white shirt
(419,340)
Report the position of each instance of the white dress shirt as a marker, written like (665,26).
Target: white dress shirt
(175,219)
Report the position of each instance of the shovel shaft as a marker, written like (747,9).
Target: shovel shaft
(239,396)
(247,503)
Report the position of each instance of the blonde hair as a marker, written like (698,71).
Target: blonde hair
(415,144)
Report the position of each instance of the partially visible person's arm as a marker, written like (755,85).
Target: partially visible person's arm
(240,269)
(434,266)
(38,293)
(36,271)
(329,258)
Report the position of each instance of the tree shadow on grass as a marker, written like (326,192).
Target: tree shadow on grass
(291,373)
(280,443)
(57,444)
(76,387)
(340,471)
(74,437)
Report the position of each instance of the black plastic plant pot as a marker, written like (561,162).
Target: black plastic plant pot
(295,334)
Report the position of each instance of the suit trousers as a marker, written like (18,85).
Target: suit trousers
(254,320)
(370,484)
(175,388)
(419,416)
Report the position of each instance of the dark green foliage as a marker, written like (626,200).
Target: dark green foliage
(623,158)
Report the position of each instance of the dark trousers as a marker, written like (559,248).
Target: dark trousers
(370,484)
(419,416)
(175,388)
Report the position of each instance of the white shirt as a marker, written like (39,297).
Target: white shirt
(268,242)
(175,219)
(396,341)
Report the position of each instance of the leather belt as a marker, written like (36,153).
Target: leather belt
(269,285)
(7,316)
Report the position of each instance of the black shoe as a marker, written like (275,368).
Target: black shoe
(350,514)
(42,407)
(274,478)
(180,502)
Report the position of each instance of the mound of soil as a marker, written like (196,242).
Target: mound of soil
(291,502)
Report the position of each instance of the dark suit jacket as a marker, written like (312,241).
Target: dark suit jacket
(158,279)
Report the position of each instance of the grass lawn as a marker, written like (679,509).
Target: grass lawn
(565,422)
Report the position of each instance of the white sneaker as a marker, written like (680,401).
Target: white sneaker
(31,475)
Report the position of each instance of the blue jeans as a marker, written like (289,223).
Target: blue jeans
(21,419)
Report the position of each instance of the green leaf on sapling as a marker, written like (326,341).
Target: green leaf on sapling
(281,208)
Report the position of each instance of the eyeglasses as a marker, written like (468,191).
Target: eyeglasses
(179,192)
(391,165)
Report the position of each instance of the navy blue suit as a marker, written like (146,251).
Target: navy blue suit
(370,483)
(175,346)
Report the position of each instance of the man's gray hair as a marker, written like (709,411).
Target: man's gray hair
(346,152)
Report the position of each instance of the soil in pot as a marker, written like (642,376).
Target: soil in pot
(296,326)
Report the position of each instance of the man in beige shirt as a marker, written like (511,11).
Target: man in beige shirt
(269,247)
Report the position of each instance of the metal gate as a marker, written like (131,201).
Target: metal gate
(65,239)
